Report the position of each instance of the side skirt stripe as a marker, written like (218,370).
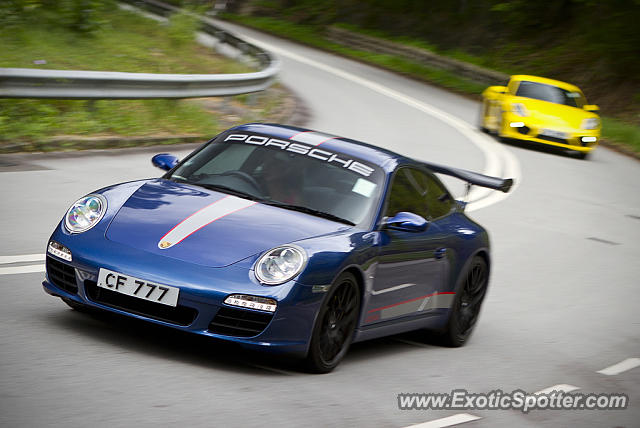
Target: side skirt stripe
(409,301)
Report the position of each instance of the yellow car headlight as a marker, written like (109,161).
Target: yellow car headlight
(590,123)
(519,109)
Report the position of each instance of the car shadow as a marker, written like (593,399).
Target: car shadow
(156,340)
(541,148)
(146,338)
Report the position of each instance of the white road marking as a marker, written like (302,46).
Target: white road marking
(561,387)
(499,160)
(21,269)
(22,258)
(622,366)
(394,288)
(460,418)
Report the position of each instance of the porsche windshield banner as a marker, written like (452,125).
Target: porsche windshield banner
(293,146)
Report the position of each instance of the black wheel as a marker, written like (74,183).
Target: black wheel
(74,305)
(481,119)
(582,155)
(467,303)
(335,325)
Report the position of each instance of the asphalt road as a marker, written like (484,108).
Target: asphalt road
(562,303)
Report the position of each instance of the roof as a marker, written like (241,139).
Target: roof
(553,82)
(386,159)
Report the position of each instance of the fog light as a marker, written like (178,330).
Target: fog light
(516,124)
(251,302)
(589,139)
(59,250)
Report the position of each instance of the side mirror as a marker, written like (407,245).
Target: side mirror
(409,222)
(497,89)
(164,161)
(591,107)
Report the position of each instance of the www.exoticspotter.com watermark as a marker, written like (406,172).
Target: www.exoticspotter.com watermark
(461,399)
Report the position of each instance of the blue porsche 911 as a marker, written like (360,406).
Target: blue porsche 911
(282,239)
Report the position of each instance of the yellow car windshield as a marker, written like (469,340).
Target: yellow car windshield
(552,94)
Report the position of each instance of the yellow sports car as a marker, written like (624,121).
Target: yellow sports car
(543,111)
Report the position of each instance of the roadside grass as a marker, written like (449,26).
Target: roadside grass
(618,132)
(126,42)
(614,130)
(30,119)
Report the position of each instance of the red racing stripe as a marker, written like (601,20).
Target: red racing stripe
(409,301)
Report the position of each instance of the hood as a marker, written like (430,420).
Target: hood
(553,114)
(207,227)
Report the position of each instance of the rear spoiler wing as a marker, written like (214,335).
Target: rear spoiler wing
(502,184)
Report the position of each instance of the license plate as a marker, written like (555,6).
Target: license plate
(136,287)
(555,134)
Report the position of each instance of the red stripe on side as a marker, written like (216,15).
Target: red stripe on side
(409,301)
(371,318)
(191,215)
(215,219)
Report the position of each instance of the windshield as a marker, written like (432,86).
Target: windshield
(290,175)
(552,94)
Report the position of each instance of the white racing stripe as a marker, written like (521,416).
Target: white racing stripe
(312,137)
(499,161)
(460,418)
(22,258)
(196,221)
(622,366)
(13,270)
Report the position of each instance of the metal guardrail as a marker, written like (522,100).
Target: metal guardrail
(74,84)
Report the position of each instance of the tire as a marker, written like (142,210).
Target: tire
(467,303)
(335,325)
(75,305)
(582,155)
(481,120)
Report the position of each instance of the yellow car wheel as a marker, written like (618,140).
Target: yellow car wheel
(482,119)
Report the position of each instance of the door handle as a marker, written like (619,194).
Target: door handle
(440,253)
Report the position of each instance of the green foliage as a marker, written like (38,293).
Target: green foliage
(127,42)
(620,132)
(83,16)
(34,119)
(182,27)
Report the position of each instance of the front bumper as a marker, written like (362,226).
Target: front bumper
(535,132)
(201,308)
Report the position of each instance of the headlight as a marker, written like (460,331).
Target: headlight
(591,123)
(519,109)
(280,264)
(85,213)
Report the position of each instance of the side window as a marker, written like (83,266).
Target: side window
(439,200)
(417,192)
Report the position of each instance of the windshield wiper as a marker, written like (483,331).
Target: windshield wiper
(223,189)
(308,210)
